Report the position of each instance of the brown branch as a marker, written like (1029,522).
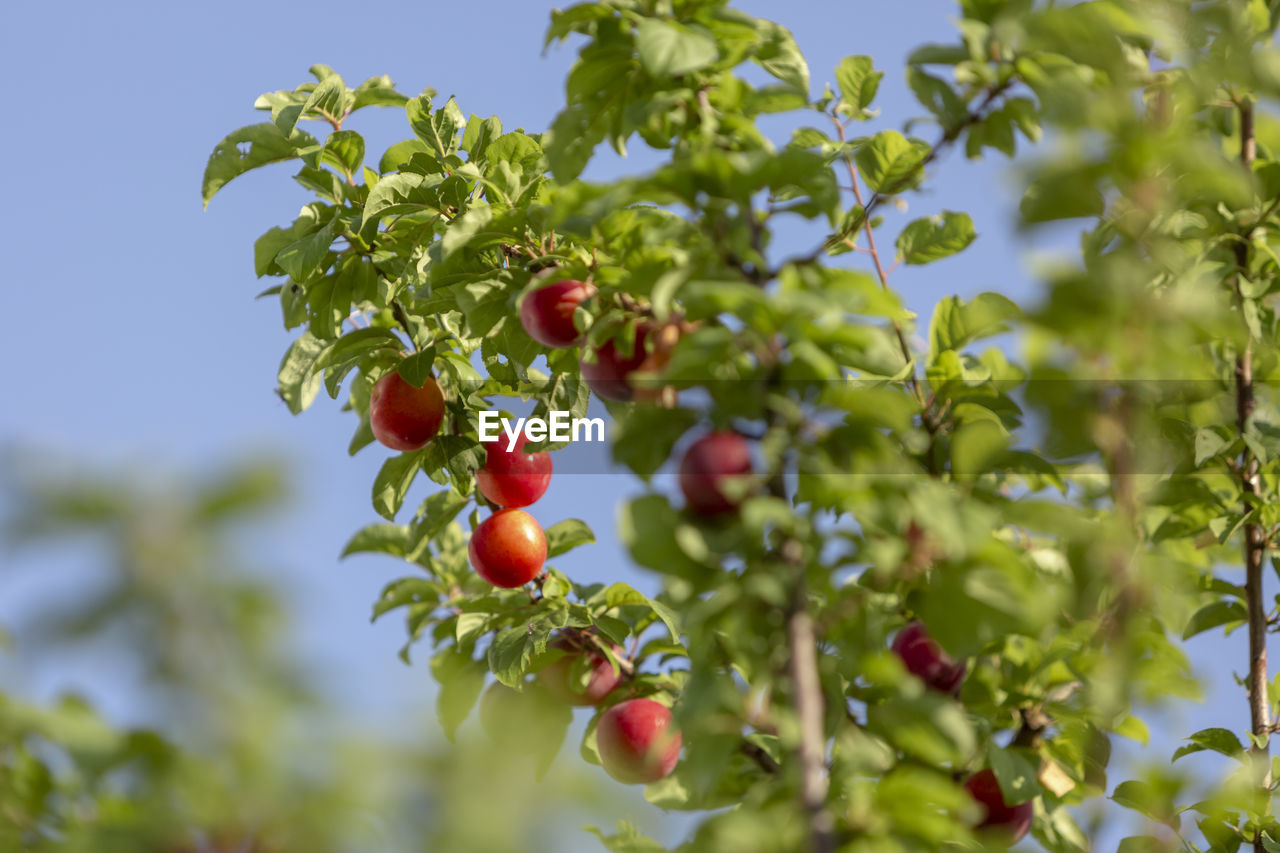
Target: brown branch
(875,258)
(1254,539)
(802,669)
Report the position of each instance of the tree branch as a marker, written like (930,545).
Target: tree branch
(1255,545)
(802,669)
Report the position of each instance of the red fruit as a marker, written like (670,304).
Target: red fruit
(609,373)
(601,678)
(637,742)
(926,660)
(513,478)
(1014,820)
(547,313)
(404,417)
(707,463)
(508,548)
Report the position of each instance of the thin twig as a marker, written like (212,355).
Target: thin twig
(1254,539)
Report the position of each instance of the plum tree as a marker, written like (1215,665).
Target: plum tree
(403,417)
(547,313)
(508,548)
(511,477)
(637,741)
(750,283)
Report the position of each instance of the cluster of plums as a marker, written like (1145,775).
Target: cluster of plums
(635,738)
(925,659)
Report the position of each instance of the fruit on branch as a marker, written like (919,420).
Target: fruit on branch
(513,478)
(599,679)
(637,742)
(609,373)
(926,660)
(547,313)
(1011,820)
(404,417)
(708,466)
(508,548)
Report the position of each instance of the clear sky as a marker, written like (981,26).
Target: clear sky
(134,340)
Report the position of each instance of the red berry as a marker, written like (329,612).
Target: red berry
(926,660)
(547,313)
(508,548)
(1013,820)
(601,677)
(404,417)
(608,375)
(704,468)
(637,742)
(513,478)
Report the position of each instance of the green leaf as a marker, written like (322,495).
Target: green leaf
(344,149)
(1215,615)
(246,149)
(404,192)
(513,650)
(779,55)
(956,323)
(934,238)
(620,594)
(858,81)
(1208,444)
(564,536)
(1016,775)
(669,49)
(393,482)
(377,92)
(400,153)
(438,128)
(461,679)
(889,162)
(298,380)
(303,259)
(1218,740)
(646,435)
(1145,799)
(380,539)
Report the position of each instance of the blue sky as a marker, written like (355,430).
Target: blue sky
(134,340)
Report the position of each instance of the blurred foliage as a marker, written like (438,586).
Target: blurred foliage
(241,752)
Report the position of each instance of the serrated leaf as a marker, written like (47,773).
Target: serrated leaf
(889,162)
(393,482)
(858,81)
(298,380)
(1223,741)
(669,49)
(461,679)
(246,149)
(378,538)
(956,323)
(564,536)
(1215,615)
(936,237)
